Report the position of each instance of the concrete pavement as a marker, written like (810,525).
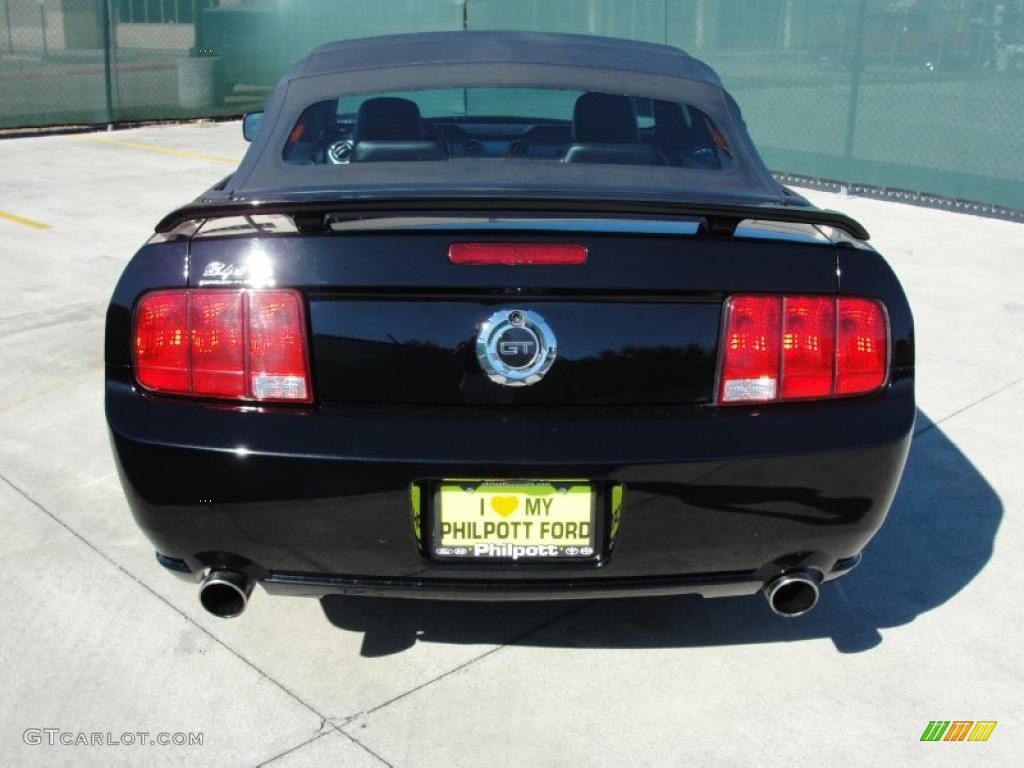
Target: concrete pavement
(95,637)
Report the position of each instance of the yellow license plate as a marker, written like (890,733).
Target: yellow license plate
(518,520)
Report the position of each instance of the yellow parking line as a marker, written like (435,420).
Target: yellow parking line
(157,148)
(23,221)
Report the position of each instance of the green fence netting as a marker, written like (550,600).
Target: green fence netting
(924,95)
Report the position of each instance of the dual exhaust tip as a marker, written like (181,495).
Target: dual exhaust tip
(225,593)
(792,593)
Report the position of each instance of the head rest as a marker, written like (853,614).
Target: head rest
(388,118)
(601,118)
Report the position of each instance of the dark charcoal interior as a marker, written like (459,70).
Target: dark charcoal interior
(603,128)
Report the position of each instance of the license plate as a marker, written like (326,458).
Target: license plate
(519,520)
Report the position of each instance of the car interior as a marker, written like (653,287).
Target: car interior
(602,128)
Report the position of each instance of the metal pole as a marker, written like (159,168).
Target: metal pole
(107,69)
(787,26)
(700,26)
(194,51)
(115,81)
(7,15)
(42,24)
(857,66)
(465,26)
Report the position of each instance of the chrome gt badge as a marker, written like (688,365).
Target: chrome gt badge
(515,347)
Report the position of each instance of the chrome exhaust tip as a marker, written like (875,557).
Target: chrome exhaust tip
(225,593)
(792,594)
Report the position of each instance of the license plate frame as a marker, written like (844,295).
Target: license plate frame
(503,551)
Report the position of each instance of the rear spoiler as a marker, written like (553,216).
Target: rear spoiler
(717,220)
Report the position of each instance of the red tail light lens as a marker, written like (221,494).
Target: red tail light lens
(162,342)
(240,345)
(750,367)
(862,350)
(516,253)
(801,347)
(808,346)
(277,347)
(218,344)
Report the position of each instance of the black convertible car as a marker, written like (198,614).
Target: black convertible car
(507,316)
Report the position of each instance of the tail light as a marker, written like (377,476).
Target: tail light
(238,345)
(517,253)
(778,348)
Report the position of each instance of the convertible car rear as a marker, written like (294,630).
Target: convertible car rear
(507,316)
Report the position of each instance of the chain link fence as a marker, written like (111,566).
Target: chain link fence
(72,62)
(923,96)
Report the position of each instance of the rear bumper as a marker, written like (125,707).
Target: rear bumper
(507,589)
(316,501)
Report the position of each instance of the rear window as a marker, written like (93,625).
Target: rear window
(506,124)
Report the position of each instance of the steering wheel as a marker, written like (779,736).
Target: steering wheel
(702,157)
(340,152)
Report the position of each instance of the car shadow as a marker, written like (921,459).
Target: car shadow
(937,538)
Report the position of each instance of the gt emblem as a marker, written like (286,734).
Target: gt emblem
(515,347)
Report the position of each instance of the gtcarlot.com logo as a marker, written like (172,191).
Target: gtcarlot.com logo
(958,730)
(56,736)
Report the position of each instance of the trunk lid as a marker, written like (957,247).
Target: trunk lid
(392,321)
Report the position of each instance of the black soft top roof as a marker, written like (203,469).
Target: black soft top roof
(469,48)
(499,59)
